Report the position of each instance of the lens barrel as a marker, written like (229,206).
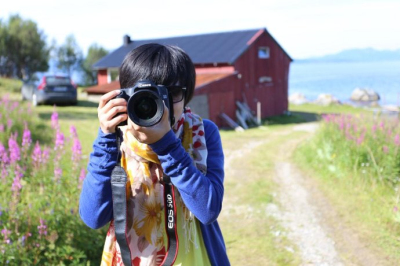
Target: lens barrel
(145,108)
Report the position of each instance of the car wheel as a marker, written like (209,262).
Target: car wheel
(34,100)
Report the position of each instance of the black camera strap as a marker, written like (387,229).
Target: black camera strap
(170,221)
(119,179)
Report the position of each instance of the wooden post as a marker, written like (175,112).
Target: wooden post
(259,113)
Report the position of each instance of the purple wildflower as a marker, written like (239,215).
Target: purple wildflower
(6,233)
(42,228)
(26,137)
(81,177)
(14,105)
(54,119)
(37,154)
(1,128)
(76,150)
(73,131)
(16,185)
(3,155)
(57,173)
(59,140)
(15,154)
(360,139)
(397,140)
(385,149)
(9,123)
(45,155)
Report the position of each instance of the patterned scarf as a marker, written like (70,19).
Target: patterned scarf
(146,234)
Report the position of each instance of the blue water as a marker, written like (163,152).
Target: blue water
(341,78)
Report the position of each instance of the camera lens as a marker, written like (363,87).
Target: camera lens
(145,108)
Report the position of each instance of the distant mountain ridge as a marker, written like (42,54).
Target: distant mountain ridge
(357,55)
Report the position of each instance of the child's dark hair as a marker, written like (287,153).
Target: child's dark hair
(162,64)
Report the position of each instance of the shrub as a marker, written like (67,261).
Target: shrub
(41,175)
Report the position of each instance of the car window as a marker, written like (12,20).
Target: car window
(57,81)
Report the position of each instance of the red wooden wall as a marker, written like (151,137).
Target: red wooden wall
(223,94)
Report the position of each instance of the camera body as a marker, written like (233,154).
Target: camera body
(145,103)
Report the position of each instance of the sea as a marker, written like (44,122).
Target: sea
(312,78)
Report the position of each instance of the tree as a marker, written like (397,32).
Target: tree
(23,49)
(69,55)
(95,53)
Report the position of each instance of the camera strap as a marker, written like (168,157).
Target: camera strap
(119,179)
(170,221)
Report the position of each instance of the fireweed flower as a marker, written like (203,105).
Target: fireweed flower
(15,154)
(9,123)
(57,173)
(3,155)
(385,149)
(1,128)
(54,119)
(76,150)
(26,140)
(42,228)
(72,129)
(14,105)
(397,140)
(81,177)
(17,186)
(45,155)
(59,140)
(6,234)
(37,153)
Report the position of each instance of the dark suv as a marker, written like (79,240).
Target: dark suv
(50,90)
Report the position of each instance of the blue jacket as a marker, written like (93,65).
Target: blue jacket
(202,194)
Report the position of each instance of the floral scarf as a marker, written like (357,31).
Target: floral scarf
(146,234)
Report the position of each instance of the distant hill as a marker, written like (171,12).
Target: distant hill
(357,55)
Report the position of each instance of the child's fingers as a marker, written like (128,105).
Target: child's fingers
(107,97)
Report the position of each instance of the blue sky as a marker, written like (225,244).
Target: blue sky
(303,28)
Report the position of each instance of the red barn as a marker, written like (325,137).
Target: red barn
(247,66)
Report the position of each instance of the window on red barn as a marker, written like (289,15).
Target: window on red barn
(263,52)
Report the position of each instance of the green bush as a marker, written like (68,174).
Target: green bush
(41,175)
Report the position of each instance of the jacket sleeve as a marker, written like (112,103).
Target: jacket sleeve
(202,194)
(95,204)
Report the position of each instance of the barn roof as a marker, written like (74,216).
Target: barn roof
(220,48)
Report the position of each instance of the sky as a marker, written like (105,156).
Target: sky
(304,28)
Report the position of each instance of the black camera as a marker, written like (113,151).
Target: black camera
(146,103)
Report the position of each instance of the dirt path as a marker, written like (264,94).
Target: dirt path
(306,214)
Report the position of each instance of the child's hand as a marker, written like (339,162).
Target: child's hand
(108,109)
(149,135)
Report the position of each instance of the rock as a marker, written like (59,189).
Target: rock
(297,98)
(364,95)
(326,99)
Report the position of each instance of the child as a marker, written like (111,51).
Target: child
(189,152)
